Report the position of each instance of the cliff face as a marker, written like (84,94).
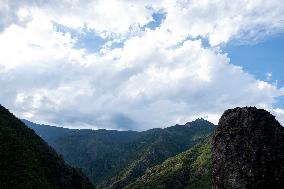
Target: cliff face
(248,150)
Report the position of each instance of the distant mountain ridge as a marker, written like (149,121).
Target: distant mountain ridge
(28,162)
(116,158)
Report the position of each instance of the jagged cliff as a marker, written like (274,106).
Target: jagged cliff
(248,150)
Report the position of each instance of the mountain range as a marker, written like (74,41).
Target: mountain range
(114,159)
(245,150)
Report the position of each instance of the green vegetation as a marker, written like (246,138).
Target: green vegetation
(190,169)
(116,158)
(27,162)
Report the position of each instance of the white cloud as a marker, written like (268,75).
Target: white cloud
(108,18)
(268,76)
(36,42)
(279,114)
(158,78)
(222,21)
(218,20)
(9,14)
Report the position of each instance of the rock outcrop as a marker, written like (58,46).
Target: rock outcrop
(248,150)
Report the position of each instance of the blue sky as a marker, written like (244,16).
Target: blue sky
(93,42)
(119,64)
(261,58)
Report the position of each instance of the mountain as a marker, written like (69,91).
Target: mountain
(163,143)
(189,169)
(116,158)
(48,133)
(248,150)
(26,161)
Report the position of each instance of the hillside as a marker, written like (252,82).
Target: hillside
(189,169)
(27,161)
(116,158)
(165,143)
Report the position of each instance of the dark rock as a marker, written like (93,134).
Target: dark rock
(248,150)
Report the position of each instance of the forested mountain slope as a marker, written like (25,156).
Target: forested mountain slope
(26,161)
(189,169)
(116,158)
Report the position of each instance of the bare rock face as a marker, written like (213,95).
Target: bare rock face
(248,150)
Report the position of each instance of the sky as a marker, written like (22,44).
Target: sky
(136,65)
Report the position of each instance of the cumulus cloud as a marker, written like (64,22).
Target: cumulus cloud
(222,21)
(157,78)
(16,12)
(218,20)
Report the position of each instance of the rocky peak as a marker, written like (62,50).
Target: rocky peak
(248,150)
